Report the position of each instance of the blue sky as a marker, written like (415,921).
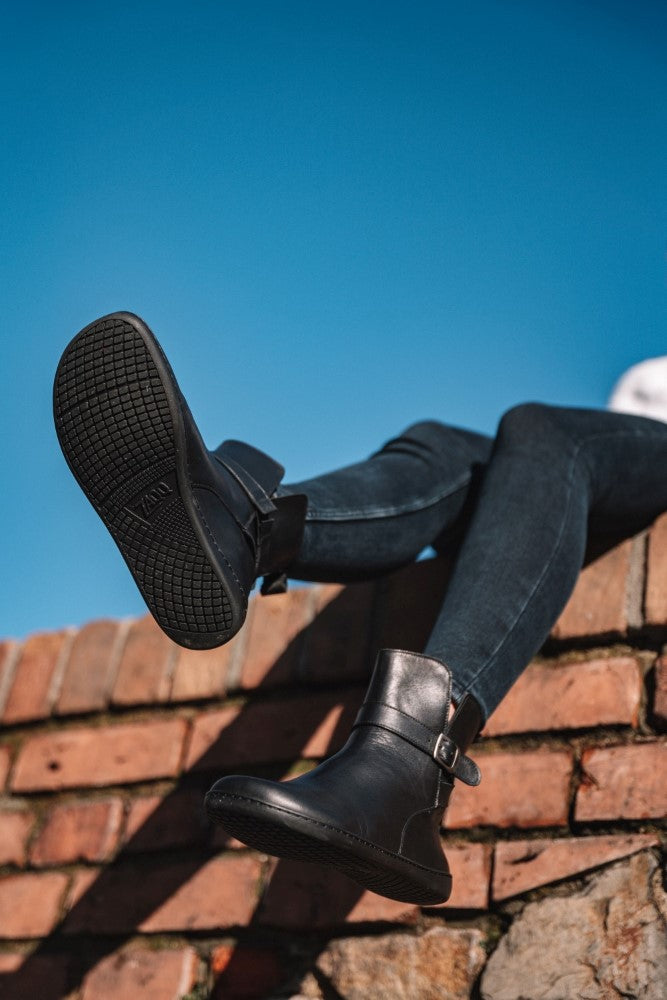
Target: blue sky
(337,218)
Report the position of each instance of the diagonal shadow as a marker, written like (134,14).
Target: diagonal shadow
(134,885)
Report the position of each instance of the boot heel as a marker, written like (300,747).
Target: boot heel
(263,469)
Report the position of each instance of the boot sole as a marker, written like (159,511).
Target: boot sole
(117,414)
(290,835)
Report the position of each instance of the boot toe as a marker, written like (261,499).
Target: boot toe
(239,794)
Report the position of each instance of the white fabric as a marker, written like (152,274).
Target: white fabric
(642,390)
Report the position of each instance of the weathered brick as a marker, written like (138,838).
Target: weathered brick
(659,712)
(337,643)
(40,975)
(274,637)
(245,972)
(470,865)
(517,789)
(598,604)
(164,974)
(82,880)
(88,677)
(190,895)
(318,896)
(655,600)
(440,962)
(78,831)
(281,730)
(546,696)
(521,865)
(30,903)
(201,673)
(144,671)
(30,696)
(5,762)
(15,828)
(623,782)
(177,820)
(408,602)
(9,654)
(119,754)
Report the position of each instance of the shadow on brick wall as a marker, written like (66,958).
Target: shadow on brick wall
(120,900)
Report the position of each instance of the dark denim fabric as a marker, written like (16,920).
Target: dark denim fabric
(523,504)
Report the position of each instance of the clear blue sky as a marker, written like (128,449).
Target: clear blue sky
(337,218)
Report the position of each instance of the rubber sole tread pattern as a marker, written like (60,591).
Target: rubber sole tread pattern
(272,836)
(115,428)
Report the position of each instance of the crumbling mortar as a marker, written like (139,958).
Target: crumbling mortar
(648,637)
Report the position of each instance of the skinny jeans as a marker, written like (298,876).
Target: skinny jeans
(517,509)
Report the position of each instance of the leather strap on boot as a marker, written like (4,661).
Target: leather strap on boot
(279,521)
(446,748)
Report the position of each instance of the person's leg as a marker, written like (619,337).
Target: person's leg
(374,809)
(197,526)
(555,474)
(379,514)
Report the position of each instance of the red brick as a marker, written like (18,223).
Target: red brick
(31,694)
(655,600)
(623,782)
(318,896)
(598,604)
(177,820)
(40,975)
(10,961)
(5,761)
(201,673)
(144,671)
(470,865)
(244,972)
(15,828)
(30,903)
(548,696)
(337,643)
(274,637)
(660,693)
(82,880)
(517,789)
(521,865)
(164,974)
(79,758)
(408,602)
(89,673)
(78,831)
(282,730)
(174,896)
(9,653)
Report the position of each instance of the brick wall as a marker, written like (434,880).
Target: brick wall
(113,884)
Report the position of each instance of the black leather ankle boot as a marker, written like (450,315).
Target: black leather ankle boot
(374,809)
(196,527)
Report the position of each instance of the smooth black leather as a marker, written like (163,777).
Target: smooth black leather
(233,488)
(385,786)
(195,527)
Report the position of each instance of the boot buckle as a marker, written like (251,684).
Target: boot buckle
(445,752)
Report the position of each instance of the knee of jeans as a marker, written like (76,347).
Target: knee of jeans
(424,435)
(525,421)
